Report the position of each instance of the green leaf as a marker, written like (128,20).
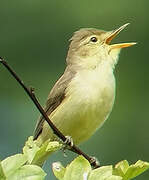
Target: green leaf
(37,155)
(2,175)
(58,170)
(113,177)
(28,172)
(78,169)
(121,168)
(12,163)
(103,173)
(136,169)
(30,149)
(45,150)
(129,172)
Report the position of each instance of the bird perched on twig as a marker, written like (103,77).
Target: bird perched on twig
(83,97)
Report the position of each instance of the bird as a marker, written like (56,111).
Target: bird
(82,98)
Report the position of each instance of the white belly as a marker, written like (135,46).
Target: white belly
(89,100)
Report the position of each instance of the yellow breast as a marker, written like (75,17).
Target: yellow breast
(89,100)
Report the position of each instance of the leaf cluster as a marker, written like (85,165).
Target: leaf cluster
(27,166)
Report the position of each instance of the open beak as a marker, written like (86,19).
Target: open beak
(113,34)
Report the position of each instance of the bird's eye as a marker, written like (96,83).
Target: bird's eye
(94,39)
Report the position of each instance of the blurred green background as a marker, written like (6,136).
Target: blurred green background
(34,38)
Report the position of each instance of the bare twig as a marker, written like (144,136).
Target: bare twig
(56,131)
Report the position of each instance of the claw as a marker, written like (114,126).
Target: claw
(69,141)
(67,145)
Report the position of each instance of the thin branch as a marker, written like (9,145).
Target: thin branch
(56,131)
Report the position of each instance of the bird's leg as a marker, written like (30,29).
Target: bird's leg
(68,144)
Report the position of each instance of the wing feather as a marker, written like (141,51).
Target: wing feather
(56,96)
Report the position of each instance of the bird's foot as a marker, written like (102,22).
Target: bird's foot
(69,141)
(67,144)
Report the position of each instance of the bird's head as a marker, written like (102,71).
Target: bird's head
(90,47)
